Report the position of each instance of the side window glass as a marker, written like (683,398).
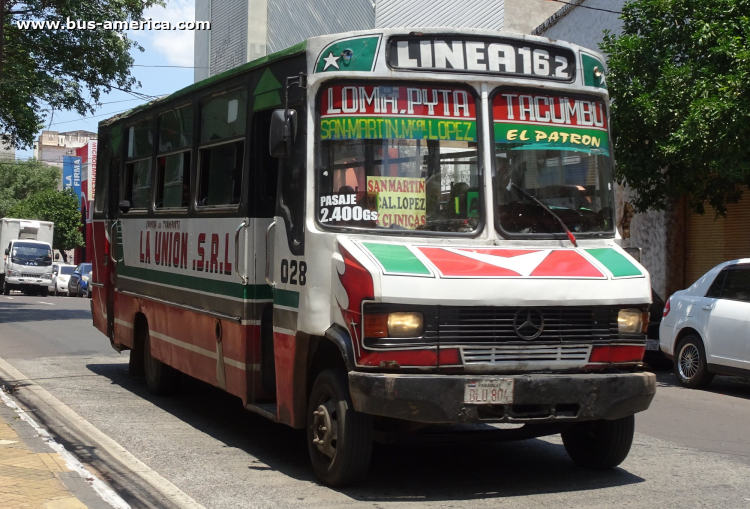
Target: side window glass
(173,168)
(102,182)
(137,182)
(265,169)
(737,285)
(221,156)
(714,291)
(291,204)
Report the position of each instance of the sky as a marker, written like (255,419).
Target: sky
(161,48)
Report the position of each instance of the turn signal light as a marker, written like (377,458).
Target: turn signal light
(376,325)
(617,353)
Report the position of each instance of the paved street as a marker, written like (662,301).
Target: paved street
(692,448)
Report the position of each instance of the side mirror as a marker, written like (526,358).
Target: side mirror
(124,206)
(7,251)
(283,132)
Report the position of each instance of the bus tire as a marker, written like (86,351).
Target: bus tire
(161,378)
(339,439)
(600,444)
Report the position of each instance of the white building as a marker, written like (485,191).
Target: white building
(53,145)
(243,30)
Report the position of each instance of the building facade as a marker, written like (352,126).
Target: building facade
(243,30)
(53,145)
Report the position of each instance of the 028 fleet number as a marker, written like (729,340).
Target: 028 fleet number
(293,272)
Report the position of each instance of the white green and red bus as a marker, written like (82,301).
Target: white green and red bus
(381,231)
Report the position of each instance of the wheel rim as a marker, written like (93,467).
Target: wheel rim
(325,429)
(689,361)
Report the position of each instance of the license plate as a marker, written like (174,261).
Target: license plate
(652,344)
(488,392)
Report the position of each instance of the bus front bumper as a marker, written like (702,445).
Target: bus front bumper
(537,398)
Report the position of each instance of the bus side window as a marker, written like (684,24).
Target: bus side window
(293,179)
(137,181)
(102,181)
(264,175)
(173,162)
(221,153)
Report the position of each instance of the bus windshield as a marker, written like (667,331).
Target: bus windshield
(554,148)
(398,158)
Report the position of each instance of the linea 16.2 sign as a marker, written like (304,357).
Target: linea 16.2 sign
(494,55)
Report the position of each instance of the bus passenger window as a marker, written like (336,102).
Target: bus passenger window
(173,168)
(221,174)
(221,154)
(137,182)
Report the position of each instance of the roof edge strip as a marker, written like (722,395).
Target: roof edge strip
(291,50)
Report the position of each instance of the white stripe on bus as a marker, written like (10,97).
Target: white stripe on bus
(193,348)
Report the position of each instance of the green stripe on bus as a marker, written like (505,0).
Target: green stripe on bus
(249,292)
(286,298)
(397,259)
(616,263)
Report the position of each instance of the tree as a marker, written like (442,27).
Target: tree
(679,78)
(44,69)
(60,207)
(22,179)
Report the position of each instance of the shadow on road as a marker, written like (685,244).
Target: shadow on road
(30,312)
(726,385)
(406,473)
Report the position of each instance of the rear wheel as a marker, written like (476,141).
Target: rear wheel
(690,364)
(160,378)
(339,439)
(600,444)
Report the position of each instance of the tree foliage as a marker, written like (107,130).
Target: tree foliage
(679,78)
(20,180)
(60,207)
(43,70)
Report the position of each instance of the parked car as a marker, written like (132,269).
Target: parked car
(79,280)
(706,328)
(60,275)
(88,285)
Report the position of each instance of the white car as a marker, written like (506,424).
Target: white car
(706,328)
(60,276)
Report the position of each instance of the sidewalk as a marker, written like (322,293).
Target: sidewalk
(32,475)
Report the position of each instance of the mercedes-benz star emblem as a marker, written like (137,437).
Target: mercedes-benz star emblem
(528,323)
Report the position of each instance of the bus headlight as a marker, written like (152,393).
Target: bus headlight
(630,321)
(394,325)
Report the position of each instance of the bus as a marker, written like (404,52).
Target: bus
(381,232)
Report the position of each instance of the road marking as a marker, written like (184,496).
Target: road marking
(9,298)
(105,492)
(118,452)
(47,303)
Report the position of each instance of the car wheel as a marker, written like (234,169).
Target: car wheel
(600,444)
(161,378)
(690,364)
(43,292)
(6,289)
(339,439)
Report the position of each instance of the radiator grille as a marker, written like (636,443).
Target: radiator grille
(35,276)
(494,355)
(496,324)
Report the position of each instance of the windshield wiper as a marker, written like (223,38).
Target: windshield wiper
(562,223)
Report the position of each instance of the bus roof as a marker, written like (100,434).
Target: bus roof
(292,50)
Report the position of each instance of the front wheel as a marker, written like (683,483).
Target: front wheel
(43,292)
(690,364)
(339,439)
(600,444)
(6,289)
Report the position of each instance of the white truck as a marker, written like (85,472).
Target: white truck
(26,264)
